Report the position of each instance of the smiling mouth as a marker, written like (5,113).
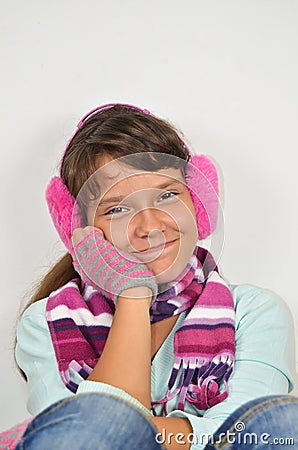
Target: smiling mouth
(156,249)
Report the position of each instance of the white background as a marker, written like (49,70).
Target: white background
(223,71)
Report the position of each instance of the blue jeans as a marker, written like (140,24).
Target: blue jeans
(266,423)
(102,422)
(94,421)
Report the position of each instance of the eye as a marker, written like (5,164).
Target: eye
(168,194)
(116,210)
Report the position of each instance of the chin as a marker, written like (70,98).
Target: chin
(168,274)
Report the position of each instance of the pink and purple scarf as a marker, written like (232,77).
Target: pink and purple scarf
(79,320)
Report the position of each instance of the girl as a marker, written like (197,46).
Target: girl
(133,340)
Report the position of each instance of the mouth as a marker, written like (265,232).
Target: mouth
(155,249)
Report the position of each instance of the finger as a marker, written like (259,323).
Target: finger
(80,233)
(77,235)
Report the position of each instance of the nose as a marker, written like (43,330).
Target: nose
(148,221)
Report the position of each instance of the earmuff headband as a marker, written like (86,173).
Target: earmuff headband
(201,180)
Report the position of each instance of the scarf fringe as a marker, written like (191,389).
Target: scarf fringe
(80,367)
(199,381)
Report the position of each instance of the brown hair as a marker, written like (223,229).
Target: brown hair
(118,131)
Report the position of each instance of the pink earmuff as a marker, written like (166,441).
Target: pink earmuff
(201,180)
(63,210)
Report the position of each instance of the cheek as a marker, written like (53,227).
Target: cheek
(100,223)
(116,232)
(185,218)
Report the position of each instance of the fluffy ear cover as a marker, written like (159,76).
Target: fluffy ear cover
(63,210)
(202,183)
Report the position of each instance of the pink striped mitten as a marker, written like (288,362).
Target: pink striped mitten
(109,269)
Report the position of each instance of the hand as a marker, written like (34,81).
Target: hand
(109,269)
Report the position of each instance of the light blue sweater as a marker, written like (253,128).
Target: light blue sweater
(262,365)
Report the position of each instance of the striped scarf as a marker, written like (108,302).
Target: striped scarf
(79,320)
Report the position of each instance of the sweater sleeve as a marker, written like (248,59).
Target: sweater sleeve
(35,356)
(262,359)
(95,386)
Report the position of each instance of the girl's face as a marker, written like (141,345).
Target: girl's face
(149,215)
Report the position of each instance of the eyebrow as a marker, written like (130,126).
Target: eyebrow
(119,198)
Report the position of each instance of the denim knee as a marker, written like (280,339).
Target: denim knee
(91,421)
(260,423)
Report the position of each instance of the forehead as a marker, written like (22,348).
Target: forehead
(116,176)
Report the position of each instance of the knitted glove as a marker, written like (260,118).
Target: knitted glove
(109,269)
